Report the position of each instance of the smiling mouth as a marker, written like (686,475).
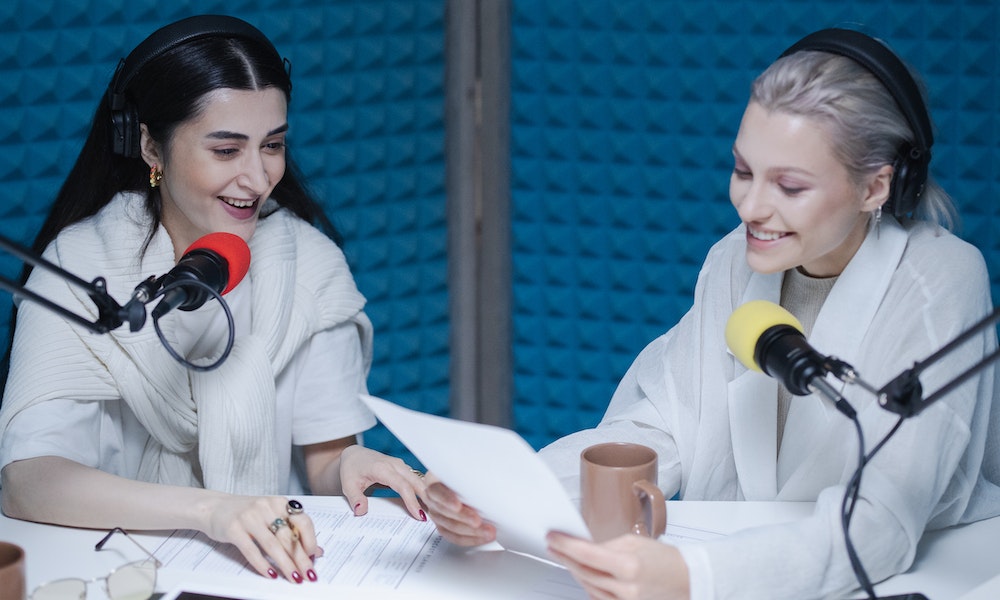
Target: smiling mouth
(238,203)
(765,236)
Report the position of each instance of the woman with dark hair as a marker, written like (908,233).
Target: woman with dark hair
(840,225)
(107,430)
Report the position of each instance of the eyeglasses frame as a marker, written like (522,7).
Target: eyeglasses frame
(98,547)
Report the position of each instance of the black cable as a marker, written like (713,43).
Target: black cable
(231,339)
(847,509)
(851,493)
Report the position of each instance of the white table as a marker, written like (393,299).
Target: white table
(959,563)
(951,564)
(452,573)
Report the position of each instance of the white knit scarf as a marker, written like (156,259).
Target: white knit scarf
(213,429)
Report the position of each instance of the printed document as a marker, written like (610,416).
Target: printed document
(384,554)
(492,469)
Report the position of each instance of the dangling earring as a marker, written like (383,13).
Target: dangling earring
(878,220)
(155,176)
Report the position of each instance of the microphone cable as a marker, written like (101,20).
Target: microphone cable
(851,499)
(230,340)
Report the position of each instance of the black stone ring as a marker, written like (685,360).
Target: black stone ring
(294,507)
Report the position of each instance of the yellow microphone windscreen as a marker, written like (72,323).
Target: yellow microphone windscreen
(748,322)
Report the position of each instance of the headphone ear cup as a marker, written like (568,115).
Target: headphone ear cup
(908,181)
(900,182)
(125,132)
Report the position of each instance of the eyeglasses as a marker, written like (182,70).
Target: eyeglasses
(134,581)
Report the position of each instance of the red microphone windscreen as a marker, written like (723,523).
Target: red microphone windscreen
(232,249)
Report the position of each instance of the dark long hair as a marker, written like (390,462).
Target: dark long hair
(166,91)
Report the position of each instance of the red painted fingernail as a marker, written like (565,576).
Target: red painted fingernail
(423,515)
(272,573)
(356,507)
(311,575)
(296,577)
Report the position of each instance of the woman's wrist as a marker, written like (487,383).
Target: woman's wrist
(199,513)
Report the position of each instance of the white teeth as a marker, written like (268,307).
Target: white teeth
(764,235)
(238,203)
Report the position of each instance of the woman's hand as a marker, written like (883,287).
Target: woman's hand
(629,567)
(37,489)
(361,468)
(263,528)
(457,522)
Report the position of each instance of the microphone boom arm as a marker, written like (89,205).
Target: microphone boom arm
(904,394)
(111,315)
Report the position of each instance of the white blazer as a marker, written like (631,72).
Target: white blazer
(907,292)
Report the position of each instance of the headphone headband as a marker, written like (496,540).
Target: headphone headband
(886,66)
(177,33)
(125,136)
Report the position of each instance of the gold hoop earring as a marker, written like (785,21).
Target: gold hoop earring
(155,176)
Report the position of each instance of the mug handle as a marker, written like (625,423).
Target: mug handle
(653,509)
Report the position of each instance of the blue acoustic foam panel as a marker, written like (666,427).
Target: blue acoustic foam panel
(623,117)
(369,134)
(367,131)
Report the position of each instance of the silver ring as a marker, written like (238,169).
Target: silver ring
(294,507)
(417,473)
(277,524)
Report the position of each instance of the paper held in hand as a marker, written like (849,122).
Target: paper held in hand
(493,470)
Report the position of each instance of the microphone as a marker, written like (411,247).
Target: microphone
(218,260)
(767,338)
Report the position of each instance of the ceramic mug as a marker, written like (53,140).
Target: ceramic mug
(11,572)
(619,492)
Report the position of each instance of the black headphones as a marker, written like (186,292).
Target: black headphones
(124,120)
(911,164)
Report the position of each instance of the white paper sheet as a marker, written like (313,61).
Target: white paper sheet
(492,469)
(377,551)
(384,554)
